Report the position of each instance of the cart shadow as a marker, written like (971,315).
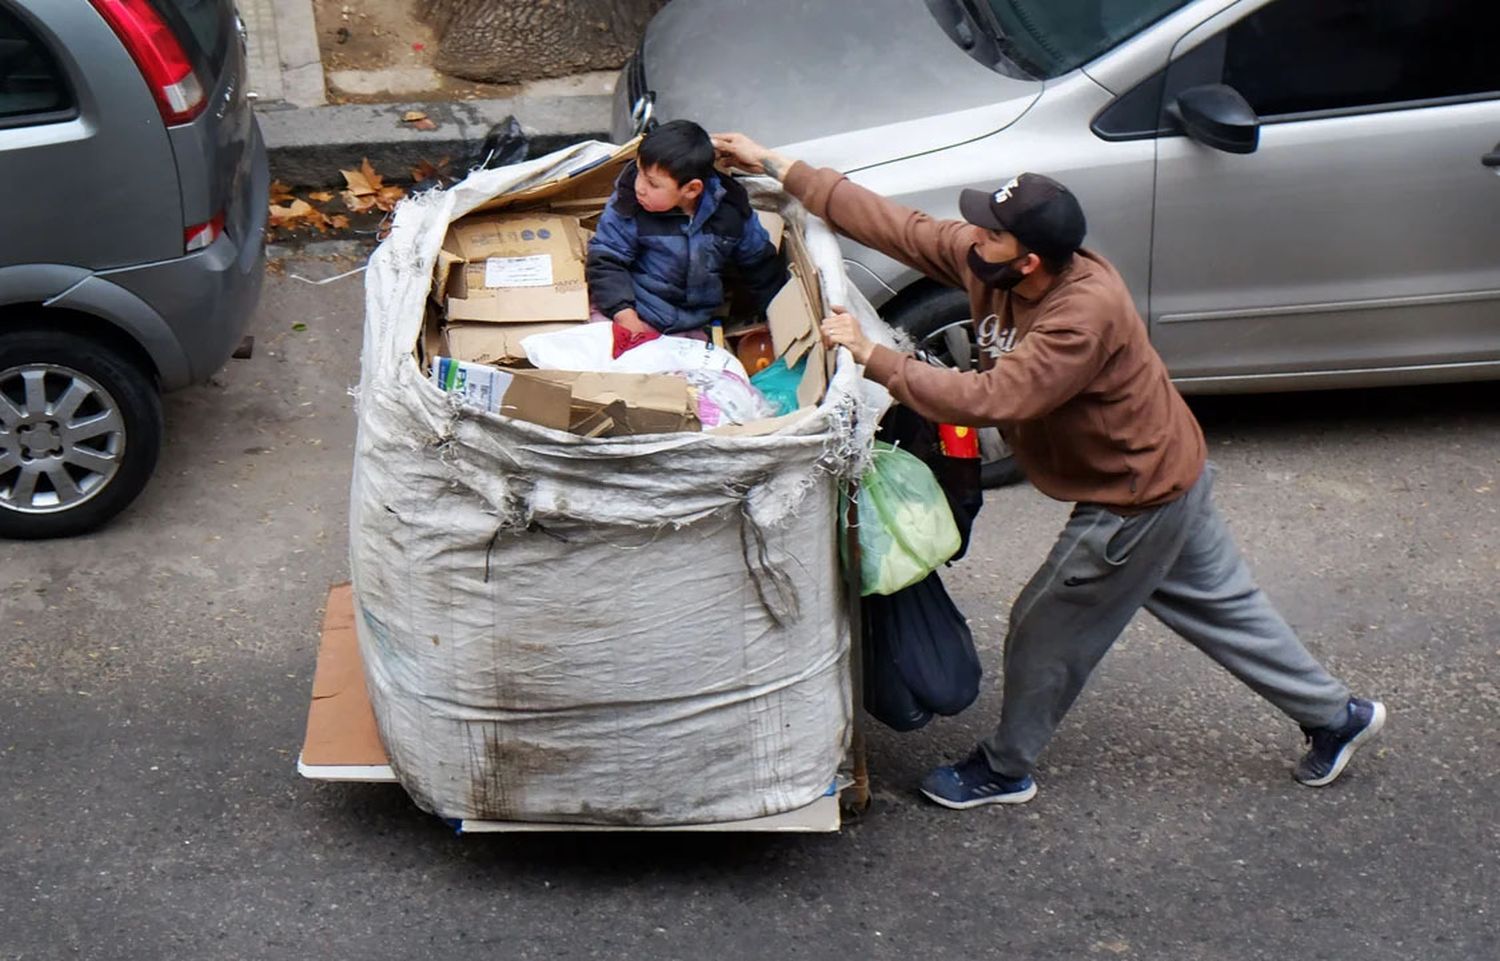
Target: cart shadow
(379,814)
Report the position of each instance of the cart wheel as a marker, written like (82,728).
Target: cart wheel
(854,803)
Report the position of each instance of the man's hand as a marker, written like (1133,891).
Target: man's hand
(843,330)
(632,322)
(738,150)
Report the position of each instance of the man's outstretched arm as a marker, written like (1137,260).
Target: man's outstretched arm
(937,248)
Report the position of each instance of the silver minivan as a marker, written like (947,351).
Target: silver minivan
(1300,193)
(131,252)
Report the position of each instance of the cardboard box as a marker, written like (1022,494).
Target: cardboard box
(636,403)
(505,392)
(498,344)
(513,268)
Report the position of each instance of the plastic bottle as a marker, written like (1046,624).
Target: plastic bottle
(755,351)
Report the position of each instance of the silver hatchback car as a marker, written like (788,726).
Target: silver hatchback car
(131,251)
(1300,194)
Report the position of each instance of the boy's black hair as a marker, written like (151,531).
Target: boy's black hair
(681,148)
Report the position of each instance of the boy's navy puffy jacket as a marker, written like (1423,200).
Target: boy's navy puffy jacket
(671,269)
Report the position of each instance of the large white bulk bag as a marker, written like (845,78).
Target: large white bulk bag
(635,630)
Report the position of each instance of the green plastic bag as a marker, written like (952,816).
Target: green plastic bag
(905,527)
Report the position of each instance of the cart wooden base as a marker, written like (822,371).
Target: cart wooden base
(343,743)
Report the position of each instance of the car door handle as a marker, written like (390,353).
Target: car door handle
(1492,159)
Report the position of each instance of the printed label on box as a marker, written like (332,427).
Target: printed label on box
(533,271)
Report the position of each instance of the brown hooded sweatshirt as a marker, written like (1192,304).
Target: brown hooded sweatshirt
(1071,379)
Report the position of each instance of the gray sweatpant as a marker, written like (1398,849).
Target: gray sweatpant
(1180,562)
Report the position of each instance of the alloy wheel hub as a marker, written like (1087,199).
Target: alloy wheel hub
(40,440)
(62,438)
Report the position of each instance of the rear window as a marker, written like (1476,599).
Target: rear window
(31,83)
(203,26)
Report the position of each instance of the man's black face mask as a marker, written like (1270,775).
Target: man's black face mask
(1002,276)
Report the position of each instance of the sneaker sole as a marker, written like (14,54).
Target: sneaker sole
(1342,759)
(1019,797)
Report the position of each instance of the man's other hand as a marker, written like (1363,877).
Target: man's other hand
(738,150)
(844,331)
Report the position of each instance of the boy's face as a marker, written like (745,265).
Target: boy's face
(657,192)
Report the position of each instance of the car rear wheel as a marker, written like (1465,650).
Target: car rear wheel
(943,333)
(80,430)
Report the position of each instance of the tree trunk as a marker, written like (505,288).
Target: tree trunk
(507,41)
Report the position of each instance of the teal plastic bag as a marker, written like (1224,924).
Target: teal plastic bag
(779,384)
(905,527)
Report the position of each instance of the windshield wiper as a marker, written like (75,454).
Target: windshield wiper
(1011,58)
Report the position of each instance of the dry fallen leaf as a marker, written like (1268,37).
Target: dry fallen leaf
(412,116)
(321,196)
(358,204)
(427,170)
(363,182)
(424,124)
(389,197)
(290,216)
(281,193)
(339,222)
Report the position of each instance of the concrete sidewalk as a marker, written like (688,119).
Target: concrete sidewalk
(310,140)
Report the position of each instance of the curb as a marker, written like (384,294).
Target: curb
(308,146)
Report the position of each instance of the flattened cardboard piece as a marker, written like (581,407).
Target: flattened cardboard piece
(340,722)
(797,253)
(793,324)
(538,402)
(505,392)
(497,344)
(596,181)
(442,274)
(815,381)
(774,224)
(522,268)
(591,422)
(653,403)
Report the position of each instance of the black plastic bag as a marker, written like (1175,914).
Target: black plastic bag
(505,144)
(920,658)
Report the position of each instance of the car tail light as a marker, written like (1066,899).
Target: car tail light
(199,237)
(159,55)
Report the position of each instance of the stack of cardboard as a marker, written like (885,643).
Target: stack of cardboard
(515,267)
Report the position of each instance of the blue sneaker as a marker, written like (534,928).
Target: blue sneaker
(1332,747)
(971,783)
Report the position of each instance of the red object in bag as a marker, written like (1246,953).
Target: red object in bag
(958,441)
(626,339)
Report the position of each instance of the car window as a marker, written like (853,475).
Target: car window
(203,26)
(1293,56)
(31,82)
(1051,37)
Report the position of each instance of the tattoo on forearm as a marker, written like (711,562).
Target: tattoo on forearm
(773,167)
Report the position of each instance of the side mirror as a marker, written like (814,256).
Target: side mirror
(1217,116)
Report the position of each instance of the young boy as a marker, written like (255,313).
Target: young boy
(657,261)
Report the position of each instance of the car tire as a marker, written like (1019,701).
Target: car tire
(80,431)
(930,318)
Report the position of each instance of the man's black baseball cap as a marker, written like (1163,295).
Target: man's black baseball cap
(1042,214)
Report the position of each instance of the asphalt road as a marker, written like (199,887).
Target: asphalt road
(156,676)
